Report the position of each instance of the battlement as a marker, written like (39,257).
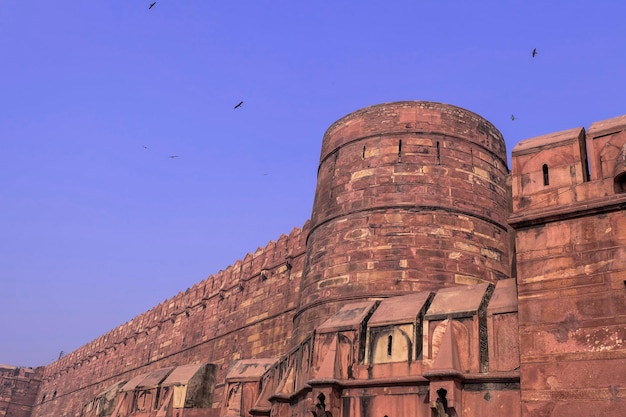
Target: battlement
(569,172)
(429,281)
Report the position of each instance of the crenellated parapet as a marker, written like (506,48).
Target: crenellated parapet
(570,173)
(243,310)
(429,281)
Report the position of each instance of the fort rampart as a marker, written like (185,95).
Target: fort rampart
(430,281)
(18,390)
(243,311)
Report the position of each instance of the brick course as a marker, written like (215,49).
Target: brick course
(413,199)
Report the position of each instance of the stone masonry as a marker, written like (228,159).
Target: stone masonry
(430,281)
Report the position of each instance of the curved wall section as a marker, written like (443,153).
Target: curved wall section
(410,196)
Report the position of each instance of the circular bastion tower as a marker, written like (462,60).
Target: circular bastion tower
(410,196)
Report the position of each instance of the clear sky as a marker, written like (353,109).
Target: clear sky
(98,224)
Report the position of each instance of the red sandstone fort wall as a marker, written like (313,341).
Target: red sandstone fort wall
(18,390)
(244,311)
(571,270)
(410,196)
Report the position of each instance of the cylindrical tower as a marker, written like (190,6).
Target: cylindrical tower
(410,196)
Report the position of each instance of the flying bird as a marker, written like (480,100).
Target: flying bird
(238,104)
(534,52)
(513,117)
(173,156)
(152,5)
(145,147)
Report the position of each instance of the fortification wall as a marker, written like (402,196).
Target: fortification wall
(244,311)
(18,390)
(571,270)
(410,196)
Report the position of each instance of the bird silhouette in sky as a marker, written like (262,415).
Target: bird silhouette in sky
(145,147)
(173,156)
(534,52)
(513,117)
(238,104)
(152,5)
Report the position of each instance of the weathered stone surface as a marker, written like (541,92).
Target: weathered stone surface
(571,270)
(18,390)
(410,196)
(430,281)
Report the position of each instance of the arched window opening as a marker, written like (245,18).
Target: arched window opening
(619,185)
(546,175)
(389,345)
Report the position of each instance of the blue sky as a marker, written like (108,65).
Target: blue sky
(96,229)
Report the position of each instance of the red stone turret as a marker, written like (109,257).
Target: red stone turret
(410,196)
(390,288)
